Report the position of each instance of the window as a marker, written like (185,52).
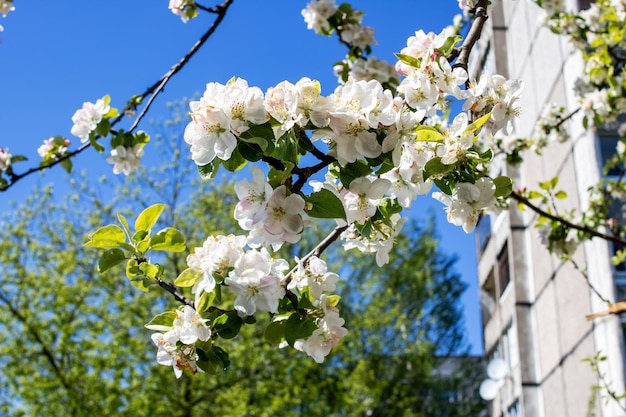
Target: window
(504,274)
(483,233)
(606,147)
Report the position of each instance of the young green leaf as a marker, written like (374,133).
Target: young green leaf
(188,278)
(162,322)
(148,217)
(504,186)
(110,258)
(110,236)
(169,240)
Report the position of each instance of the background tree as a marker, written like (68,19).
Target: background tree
(72,342)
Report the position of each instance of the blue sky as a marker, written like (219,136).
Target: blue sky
(56,55)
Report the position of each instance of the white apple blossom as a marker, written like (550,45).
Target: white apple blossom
(316,14)
(253,196)
(5,159)
(51,145)
(178,8)
(450,79)
(362,197)
(457,140)
(358,35)
(256,280)
(216,255)
(282,221)
(282,104)
(325,337)
(190,327)
(86,119)
(467,202)
(209,135)
(312,106)
(126,160)
(314,275)
(380,241)
(178,357)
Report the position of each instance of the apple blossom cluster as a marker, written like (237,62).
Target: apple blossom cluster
(126,159)
(53,148)
(5,159)
(368,69)
(185,9)
(468,201)
(87,118)
(324,16)
(176,347)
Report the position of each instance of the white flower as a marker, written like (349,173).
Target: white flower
(256,281)
(379,242)
(126,160)
(179,358)
(467,202)
(320,343)
(5,159)
(87,118)
(312,106)
(314,275)
(316,14)
(253,196)
(209,135)
(190,327)
(216,256)
(358,35)
(282,221)
(362,197)
(282,104)
(178,8)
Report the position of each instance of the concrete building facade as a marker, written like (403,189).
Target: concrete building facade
(533,304)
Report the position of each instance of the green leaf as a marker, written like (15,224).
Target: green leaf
(449,45)
(409,60)
(205,301)
(110,258)
(353,170)
(148,217)
(250,151)
(324,204)
(235,162)
(124,223)
(297,327)
(504,186)
(67,165)
(560,194)
(214,360)
(208,171)
(188,278)
(149,270)
(434,167)
(228,325)
(477,124)
(110,236)
(136,275)
(18,158)
(278,177)
(162,322)
(169,240)
(428,134)
(274,332)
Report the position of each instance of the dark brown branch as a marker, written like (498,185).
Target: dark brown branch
(591,232)
(174,291)
(153,90)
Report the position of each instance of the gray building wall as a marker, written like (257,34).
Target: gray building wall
(546,301)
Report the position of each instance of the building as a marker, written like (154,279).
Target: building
(533,304)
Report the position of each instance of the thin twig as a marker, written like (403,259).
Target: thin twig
(593,288)
(174,291)
(564,222)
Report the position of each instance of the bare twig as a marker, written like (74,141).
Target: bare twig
(174,291)
(591,232)
(473,35)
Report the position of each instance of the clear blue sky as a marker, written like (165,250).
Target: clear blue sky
(54,55)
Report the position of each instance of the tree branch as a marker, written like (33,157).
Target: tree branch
(153,90)
(174,291)
(591,232)
(473,35)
